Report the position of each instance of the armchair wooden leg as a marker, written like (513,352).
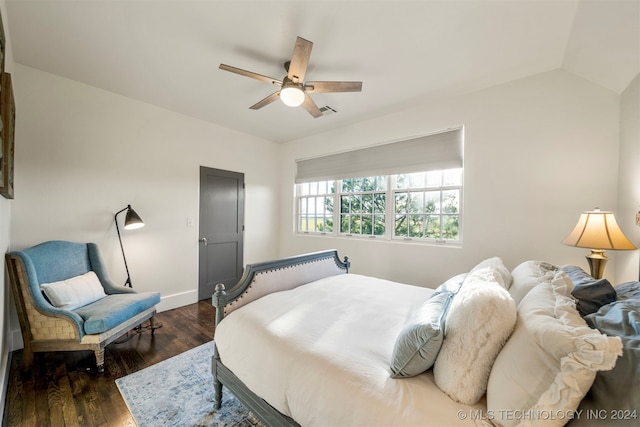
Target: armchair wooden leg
(99,359)
(27,357)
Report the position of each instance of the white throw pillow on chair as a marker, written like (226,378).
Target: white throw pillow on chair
(74,292)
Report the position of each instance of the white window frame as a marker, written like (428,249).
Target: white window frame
(390,212)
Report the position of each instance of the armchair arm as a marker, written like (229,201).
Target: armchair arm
(23,273)
(97,265)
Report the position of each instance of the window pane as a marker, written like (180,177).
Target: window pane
(328,206)
(303,206)
(354,224)
(380,202)
(402,181)
(432,227)
(344,204)
(450,228)
(402,202)
(367,203)
(411,180)
(434,179)
(311,223)
(416,180)
(344,223)
(356,204)
(401,226)
(416,202)
(328,224)
(432,202)
(451,201)
(381,183)
(378,225)
(452,177)
(367,224)
(416,225)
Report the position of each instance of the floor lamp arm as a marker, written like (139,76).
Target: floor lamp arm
(128,281)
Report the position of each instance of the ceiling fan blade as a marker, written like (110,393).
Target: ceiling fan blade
(251,74)
(324,87)
(299,60)
(311,106)
(268,100)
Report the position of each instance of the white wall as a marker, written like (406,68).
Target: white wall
(629,180)
(538,151)
(84,153)
(5,240)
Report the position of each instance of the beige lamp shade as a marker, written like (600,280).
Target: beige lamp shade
(598,230)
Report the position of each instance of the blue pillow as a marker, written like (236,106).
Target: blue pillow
(452,285)
(419,342)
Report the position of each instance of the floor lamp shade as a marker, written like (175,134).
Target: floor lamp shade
(598,230)
(131,221)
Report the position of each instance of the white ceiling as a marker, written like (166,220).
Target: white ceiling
(167,53)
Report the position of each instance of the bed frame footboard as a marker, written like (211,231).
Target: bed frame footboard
(259,280)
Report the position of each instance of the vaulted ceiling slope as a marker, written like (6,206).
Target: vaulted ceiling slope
(167,52)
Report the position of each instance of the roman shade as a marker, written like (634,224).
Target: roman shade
(436,151)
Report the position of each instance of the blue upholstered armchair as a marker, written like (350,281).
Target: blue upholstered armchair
(66,300)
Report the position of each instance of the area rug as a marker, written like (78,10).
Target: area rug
(179,392)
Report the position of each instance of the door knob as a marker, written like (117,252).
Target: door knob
(203,240)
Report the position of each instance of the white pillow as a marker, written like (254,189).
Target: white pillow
(503,275)
(74,292)
(550,361)
(528,275)
(480,320)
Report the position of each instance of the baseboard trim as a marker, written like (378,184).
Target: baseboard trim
(177,300)
(16,340)
(5,366)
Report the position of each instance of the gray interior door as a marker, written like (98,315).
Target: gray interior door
(221,229)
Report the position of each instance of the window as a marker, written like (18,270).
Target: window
(363,206)
(405,190)
(427,205)
(315,207)
(423,206)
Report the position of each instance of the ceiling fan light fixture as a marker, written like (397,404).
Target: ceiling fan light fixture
(292,96)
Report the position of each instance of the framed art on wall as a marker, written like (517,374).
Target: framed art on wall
(2,50)
(8,116)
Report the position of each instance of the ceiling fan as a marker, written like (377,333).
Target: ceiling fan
(294,91)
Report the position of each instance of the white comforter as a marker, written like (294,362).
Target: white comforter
(320,353)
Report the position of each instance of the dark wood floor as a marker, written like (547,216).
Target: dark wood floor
(64,388)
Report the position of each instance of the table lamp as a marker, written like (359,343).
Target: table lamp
(598,230)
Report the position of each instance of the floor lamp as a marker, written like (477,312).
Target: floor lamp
(131,221)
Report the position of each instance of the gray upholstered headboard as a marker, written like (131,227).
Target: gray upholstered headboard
(264,278)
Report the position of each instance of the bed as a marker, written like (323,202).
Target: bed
(301,341)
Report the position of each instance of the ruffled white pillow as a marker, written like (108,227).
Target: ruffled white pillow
(550,361)
(528,275)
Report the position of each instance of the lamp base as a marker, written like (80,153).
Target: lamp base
(597,260)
